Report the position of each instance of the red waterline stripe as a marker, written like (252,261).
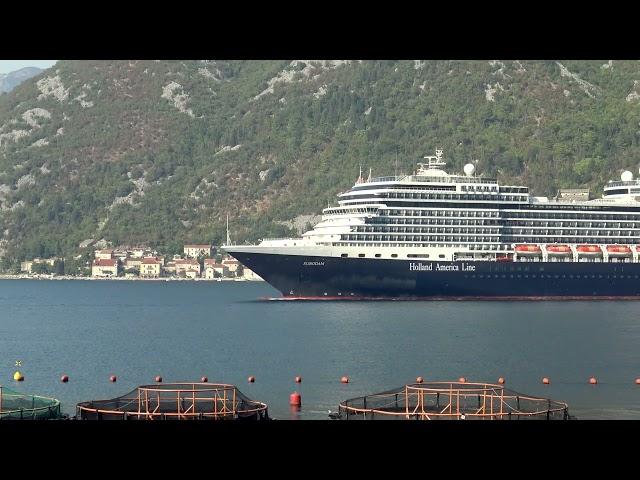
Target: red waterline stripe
(466,298)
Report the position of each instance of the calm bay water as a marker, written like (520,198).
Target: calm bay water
(90,330)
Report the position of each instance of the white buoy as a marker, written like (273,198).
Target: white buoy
(469,168)
(626,176)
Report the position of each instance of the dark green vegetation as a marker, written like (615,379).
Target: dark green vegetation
(299,145)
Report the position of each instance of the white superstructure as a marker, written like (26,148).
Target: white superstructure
(432,214)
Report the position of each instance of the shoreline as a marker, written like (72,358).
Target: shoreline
(7,276)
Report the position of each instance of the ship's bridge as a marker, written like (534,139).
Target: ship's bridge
(627,189)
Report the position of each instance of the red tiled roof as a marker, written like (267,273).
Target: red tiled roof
(105,262)
(150,261)
(187,261)
(215,265)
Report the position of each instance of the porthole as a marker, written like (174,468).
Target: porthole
(394,255)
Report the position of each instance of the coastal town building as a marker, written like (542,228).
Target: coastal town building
(137,252)
(232,264)
(120,254)
(27,266)
(187,264)
(194,251)
(104,254)
(215,270)
(170,268)
(104,267)
(132,263)
(192,273)
(150,267)
(249,274)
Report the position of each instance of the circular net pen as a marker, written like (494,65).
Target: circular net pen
(20,406)
(452,401)
(176,401)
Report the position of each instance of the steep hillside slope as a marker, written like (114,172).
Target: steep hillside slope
(158,152)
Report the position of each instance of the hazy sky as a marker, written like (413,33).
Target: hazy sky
(7,66)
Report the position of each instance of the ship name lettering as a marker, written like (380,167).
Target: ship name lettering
(314,263)
(448,267)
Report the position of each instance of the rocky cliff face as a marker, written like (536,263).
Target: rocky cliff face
(159,152)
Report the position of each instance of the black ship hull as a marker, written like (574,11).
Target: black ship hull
(313,277)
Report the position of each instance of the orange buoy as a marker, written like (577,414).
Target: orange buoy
(159,379)
(251,379)
(545,380)
(344,379)
(462,380)
(64,378)
(419,380)
(501,380)
(593,381)
(637,381)
(298,379)
(113,378)
(295,399)
(18,377)
(204,379)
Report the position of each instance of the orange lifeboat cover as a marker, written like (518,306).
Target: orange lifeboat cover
(558,248)
(589,248)
(618,249)
(528,248)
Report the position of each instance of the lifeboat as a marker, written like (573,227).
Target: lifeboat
(589,250)
(619,250)
(528,250)
(558,250)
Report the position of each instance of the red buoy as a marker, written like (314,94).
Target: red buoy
(545,380)
(64,378)
(295,400)
(462,380)
(204,379)
(419,380)
(344,379)
(593,381)
(501,381)
(298,379)
(159,379)
(251,379)
(113,378)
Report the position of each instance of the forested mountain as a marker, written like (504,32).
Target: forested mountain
(159,152)
(9,81)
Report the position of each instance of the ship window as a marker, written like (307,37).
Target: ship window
(441,256)
(377,255)
(344,255)
(361,255)
(394,255)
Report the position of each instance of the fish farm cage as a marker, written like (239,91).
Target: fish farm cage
(452,401)
(20,406)
(176,401)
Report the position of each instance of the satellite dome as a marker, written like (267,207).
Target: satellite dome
(469,168)
(626,176)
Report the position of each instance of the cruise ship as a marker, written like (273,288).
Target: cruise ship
(435,235)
